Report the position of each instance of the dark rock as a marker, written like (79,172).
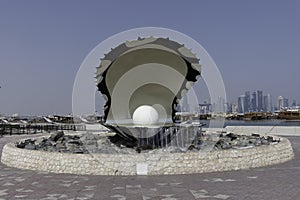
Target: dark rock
(64,151)
(232,136)
(30,146)
(118,140)
(21,145)
(270,139)
(222,144)
(56,135)
(71,137)
(138,149)
(78,151)
(61,140)
(93,143)
(44,144)
(264,141)
(191,147)
(255,135)
(74,142)
(29,143)
(257,142)
(252,141)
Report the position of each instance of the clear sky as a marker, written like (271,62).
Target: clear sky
(255,44)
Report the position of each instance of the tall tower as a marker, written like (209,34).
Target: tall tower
(254,102)
(241,104)
(286,102)
(247,103)
(259,101)
(269,105)
(280,102)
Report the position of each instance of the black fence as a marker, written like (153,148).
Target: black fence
(17,129)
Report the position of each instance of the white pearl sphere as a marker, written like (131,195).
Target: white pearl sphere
(145,115)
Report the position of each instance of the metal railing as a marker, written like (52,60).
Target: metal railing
(17,129)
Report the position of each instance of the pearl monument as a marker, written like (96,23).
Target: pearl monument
(145,115)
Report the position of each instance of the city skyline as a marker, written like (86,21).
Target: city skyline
(262,102)
(250,101)
(255,45)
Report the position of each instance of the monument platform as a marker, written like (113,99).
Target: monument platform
(156,163)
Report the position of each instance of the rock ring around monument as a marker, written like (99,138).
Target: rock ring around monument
(159,163)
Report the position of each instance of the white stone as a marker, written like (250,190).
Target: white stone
(142,169)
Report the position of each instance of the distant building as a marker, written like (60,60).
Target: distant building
(283,103)
(228,107)
(205,108)
(267,103)
(286,103)
(234,108)
(254,102)
(280,102)
(241,104)
(247,103)
(259,101)
(221,105)
(294,103)
(270,103)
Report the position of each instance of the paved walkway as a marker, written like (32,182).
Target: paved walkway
(278,182)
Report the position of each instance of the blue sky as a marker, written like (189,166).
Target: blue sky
(255,44)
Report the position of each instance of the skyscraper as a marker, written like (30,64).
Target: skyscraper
(247,102)
(267,103)
(254,102)
(280,102)
(259,100)
(241,104)
(221,105)
(286,102)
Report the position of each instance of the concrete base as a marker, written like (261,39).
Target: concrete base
(147,163)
